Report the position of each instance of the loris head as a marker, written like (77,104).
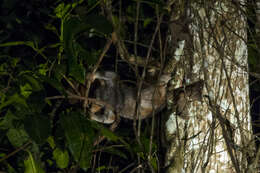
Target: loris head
(109,77)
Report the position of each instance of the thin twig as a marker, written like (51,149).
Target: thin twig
(92,100)
(16,151)
(107,46)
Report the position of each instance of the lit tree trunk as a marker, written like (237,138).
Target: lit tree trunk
(217,135)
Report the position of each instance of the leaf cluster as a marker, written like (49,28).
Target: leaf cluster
(45,47)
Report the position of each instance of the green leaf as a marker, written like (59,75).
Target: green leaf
(89,57)
(6,121)
(59,71)
(10,169)
(116,152)
(101,168)
(77,71)
(29,84)
(31,165)
(54,83)
(52,28)
(145,140)
(36,86)
(147,21)
(76,3)
(108,134)
(17,137)
(36,101)
(72,27)
(61,158)
(61,10)
(92,2)
(38,127)
(99,23)
(79,136)
(153,162)
(14,62)
(43,69)
(51,142)
(14,99)
(105,132)
(26,90)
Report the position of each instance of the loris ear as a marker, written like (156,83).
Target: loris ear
(105,75)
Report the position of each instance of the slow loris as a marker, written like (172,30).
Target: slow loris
(121,100)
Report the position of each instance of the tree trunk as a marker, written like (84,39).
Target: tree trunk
(217,135)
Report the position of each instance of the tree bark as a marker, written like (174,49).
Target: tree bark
(217,135)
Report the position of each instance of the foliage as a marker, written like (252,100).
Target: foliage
(46,50)
(46,46)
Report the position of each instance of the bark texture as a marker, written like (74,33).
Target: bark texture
(217,135)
